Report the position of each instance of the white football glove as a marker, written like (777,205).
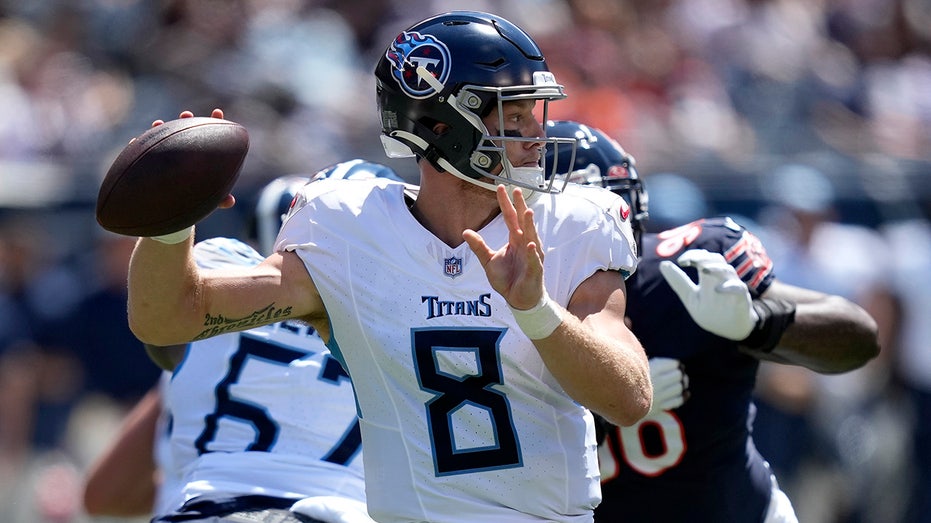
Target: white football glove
(721,302)
(333,509)
(670,384)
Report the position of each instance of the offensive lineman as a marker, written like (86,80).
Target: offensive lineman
(261,421)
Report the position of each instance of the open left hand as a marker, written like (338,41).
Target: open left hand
(514,270)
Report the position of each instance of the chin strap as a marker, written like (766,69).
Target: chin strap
(775,317)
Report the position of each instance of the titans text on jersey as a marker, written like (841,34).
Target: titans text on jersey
(437,308)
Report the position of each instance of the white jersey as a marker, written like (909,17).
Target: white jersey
(461,419)
(266,411)
(171,480)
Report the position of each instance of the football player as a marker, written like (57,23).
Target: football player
(477,324)
(707,307)
(261,421)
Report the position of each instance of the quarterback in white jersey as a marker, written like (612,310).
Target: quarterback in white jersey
(440,406)
(266,412)
(473,372)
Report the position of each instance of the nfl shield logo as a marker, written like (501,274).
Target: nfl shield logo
(452,267)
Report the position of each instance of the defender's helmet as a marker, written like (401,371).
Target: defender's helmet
(274,202)
(600,160)
(356,170)
(454,69)
(276,198)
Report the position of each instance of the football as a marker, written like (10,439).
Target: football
(171,176)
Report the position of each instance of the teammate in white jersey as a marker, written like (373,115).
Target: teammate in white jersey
(244,438)
(479,329)
(260,419)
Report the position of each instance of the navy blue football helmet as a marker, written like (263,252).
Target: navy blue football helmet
(599,160)
(276,198)
(274,201)
(454,69)
(356,170)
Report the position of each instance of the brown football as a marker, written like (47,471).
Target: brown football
(171,176)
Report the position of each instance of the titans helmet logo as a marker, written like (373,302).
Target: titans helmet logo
(411,50)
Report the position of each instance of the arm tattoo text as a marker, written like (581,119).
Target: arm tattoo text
(216,325)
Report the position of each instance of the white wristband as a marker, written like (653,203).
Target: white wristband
(540,320)
(175,237)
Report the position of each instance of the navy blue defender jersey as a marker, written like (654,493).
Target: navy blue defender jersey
(698,462)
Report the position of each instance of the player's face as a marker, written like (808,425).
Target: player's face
(517,119)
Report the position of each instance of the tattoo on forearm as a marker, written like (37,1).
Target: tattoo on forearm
(216,325)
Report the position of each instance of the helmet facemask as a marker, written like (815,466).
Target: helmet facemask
(490,152)
(489,158)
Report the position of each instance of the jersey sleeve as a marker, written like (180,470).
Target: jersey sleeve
(614,224)
(753,264)
(294,231)
(740,247)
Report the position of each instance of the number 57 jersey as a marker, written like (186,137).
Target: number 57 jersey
(266,411)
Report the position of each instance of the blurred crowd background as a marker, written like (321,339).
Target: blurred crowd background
(807,120)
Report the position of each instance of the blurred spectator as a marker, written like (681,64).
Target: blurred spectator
(17,359)
(74,377)
(34,369)
(96,331)
(37,382)
(674,200)
(910,251)
(832,437)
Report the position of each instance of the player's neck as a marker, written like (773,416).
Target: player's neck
(447,206)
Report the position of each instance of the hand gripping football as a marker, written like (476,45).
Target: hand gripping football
(171,176)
